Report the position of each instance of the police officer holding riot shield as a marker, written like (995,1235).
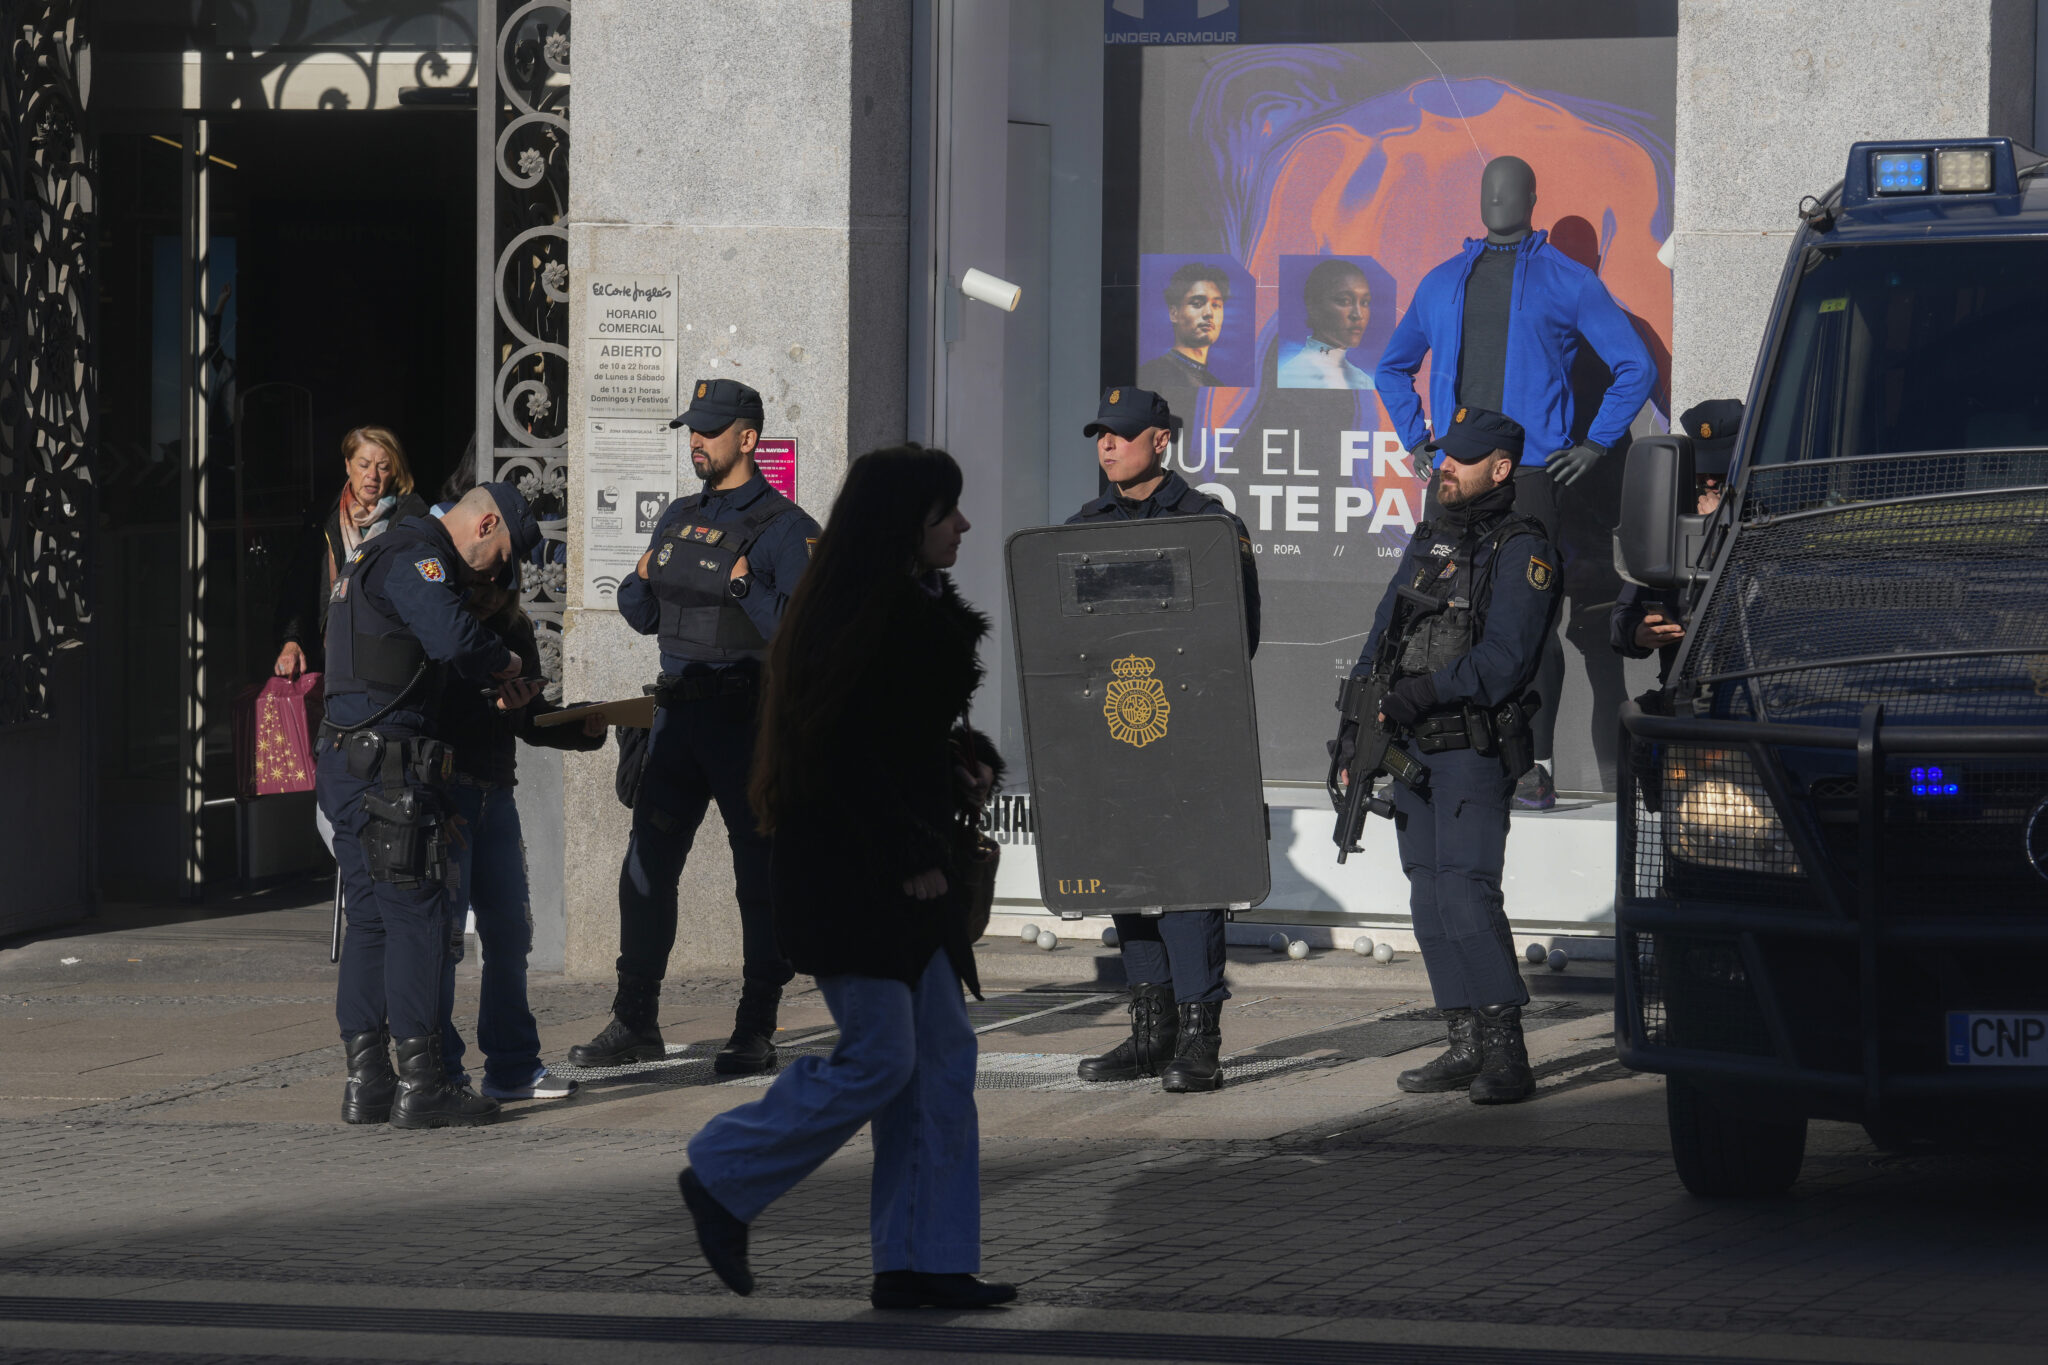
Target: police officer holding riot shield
(1173,961)
(712,586)
(1458,639)
(397,638)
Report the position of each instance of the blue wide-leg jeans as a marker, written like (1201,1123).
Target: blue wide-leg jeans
(905,1062)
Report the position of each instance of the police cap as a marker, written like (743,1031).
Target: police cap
(1713,426)
(716,404)
(1128,411)
(1476,433)
(520,523)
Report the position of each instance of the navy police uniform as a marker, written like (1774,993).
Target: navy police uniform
(398,637)
(714,632)
(1463,667)
(1181,951)
(1713,426)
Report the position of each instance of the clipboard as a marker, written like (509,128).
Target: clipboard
(634,713)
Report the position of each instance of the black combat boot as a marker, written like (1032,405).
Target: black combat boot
(1455,1069)
(425,1099)
(1150,1045)
(633,1035)
(1505,1077)
(751,1049)
(366,1098)
(1195,1064)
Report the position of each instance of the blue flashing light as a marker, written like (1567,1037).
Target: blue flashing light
(1902,172)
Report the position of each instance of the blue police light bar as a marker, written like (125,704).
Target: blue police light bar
(1880,170)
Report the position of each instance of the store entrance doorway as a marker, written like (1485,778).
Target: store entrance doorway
(270,280)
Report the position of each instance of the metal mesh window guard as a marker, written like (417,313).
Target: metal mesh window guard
(1933,607)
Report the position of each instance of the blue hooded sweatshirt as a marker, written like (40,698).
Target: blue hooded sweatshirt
(1558,304)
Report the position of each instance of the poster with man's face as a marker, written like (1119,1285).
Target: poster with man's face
(1335,175)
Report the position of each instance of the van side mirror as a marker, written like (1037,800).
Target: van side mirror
(1659,538)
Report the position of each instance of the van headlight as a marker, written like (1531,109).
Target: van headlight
(1718,814)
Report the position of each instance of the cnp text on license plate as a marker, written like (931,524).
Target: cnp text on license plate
(1997,1039)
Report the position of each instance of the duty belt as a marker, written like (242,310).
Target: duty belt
(1462,727)
(725,682)
(429,760)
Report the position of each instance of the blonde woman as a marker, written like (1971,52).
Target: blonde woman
(376,494)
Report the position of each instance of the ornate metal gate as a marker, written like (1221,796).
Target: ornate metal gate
(48,429)
(522,402)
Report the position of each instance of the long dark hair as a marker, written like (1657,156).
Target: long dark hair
(860,571)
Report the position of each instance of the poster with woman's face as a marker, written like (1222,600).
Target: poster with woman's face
(1337,173)
(1330,336)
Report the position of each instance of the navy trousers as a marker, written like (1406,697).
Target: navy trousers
(699,752)
(397,939)
(1182,948)
(1453,842)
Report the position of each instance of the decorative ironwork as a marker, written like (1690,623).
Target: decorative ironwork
(523,284)
(49,408)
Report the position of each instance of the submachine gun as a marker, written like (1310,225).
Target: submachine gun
(1375,757)
(1358,705)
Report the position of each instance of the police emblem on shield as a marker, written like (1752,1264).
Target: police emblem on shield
(1135,703)
(661,560)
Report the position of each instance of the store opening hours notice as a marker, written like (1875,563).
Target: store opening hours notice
(629,450)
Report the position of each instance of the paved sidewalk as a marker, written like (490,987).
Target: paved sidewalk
(167,1113)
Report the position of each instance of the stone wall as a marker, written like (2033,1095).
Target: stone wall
(758,149)
(1771,93)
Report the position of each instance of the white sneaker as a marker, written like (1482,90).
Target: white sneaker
(544,1086)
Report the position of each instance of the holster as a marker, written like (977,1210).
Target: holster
(404,841)
(1514,734)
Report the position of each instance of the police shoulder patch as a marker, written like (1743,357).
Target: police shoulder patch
(810,546)
(431,570)
(1541,575)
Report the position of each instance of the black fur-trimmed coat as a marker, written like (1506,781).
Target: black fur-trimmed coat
(896,809)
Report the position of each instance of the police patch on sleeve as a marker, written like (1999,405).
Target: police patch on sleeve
(1541,575)
(431,570)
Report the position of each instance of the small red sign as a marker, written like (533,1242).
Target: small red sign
(775,457)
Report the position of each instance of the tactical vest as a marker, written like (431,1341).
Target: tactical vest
(1436,639)
(369,649)
(689,574)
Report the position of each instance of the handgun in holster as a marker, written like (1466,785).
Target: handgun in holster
(404,841)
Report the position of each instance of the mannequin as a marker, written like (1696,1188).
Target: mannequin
(1504,319)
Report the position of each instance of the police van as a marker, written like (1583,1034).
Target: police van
(1832,882)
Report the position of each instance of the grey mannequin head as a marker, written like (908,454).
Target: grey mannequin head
(1507,198)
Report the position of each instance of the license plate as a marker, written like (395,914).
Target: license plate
(1997,1039)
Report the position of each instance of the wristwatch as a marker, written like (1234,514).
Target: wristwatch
(738,587)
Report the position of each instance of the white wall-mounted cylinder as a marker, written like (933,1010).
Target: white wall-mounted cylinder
(996,293)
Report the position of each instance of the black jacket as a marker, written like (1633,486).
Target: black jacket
(318,556)
(485,738)
(838,866)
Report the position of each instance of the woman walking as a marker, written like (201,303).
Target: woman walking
(867,679)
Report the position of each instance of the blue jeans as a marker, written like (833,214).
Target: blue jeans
(905,1061)
(491,880)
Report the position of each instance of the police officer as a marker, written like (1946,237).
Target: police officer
(398,637)
(712,585)
(1647,620)
(1176,959)
(1474,599)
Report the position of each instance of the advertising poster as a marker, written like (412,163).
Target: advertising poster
(1318,181)
(775,457)
(629,451)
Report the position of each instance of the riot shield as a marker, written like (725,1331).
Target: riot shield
(1138,716)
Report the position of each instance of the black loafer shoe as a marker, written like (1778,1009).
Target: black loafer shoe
(916,1289)
(720,1236)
